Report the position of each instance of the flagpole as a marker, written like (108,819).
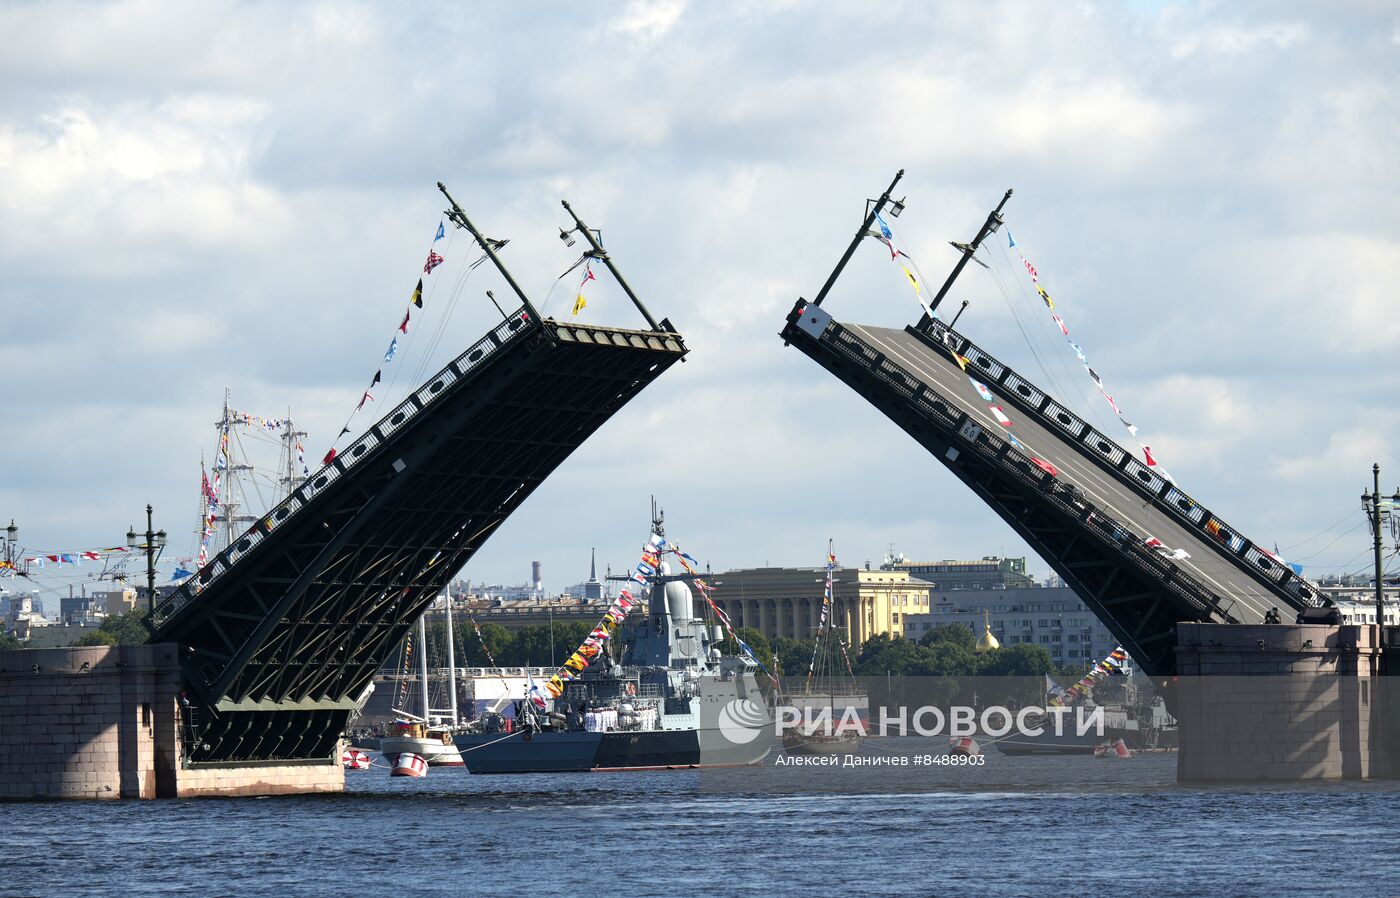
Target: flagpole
(992,223)
(460,217)
(860,235)
(600,253)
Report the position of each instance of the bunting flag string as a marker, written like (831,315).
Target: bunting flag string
(21,563)
(485,649)
(886,236)
(579,302)
(269,424)
(850,671)
(415,300)
(999,413)
(688,563)
(826,605)
(596,640)
(1083,360)
(211,505)
(1114,662)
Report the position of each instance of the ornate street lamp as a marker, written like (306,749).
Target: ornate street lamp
(1377,507)
(155,541)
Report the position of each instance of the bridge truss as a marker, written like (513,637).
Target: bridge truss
(1100,521)
(282,632)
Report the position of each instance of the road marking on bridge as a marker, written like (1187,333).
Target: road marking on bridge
(1101,489)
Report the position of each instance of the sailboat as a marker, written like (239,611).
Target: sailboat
(236,493)
(428,736)
(831,709)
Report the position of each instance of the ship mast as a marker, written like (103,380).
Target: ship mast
(423,664)
(232,495)
(291,478)
(451,658)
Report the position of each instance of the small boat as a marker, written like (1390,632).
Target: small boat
(831,711)
(433,744)
(418,735)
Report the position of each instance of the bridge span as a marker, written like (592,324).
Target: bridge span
(1095,520)
(282,632)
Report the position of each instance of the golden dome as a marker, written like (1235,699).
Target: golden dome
(988,642)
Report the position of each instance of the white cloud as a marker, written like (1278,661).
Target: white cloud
(203,195)
(1236,40)
(650,20)
(1352,450)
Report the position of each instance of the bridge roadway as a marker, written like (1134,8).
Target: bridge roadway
(1241,595)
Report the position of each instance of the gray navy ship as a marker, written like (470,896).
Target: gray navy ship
(671,701)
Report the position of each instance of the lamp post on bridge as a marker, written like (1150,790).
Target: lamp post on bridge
(11,559)
(1376,507)
(155,541)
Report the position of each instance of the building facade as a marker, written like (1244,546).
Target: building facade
(1052,617)
(787,601)
(988,572)
(1358,604)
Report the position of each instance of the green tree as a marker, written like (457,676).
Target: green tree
(496,637)
(755,640)
(948,659)
(1024,660)
(532,646)
(9,642)
(119,629)
(882,655)
(792,655)
(955,634)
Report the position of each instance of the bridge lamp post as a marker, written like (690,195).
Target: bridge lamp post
(1376,507)
(11,557)
(155,541)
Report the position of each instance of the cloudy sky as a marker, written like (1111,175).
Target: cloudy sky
(202,195)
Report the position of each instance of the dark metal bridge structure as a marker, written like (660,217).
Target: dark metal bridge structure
(1092,522)
(282,631)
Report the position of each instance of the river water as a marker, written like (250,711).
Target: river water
(1039,826)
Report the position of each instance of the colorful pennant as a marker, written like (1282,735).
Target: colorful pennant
(1114,662)
(415,300)
(826,605)
(579,302)
(593,645)
(1079,353)
(886,236)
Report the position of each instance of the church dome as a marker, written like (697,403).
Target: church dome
(988,642)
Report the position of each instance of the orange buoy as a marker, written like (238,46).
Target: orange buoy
(409,764)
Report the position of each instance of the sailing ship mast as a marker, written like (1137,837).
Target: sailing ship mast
(451,659)
(225,511)
(234,473)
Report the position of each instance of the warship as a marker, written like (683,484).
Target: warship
(669,700)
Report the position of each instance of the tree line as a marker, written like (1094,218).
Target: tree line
(946,650)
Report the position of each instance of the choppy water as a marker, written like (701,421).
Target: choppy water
(1090,828)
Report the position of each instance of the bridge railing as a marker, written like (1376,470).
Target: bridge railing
(1108,530)
(516,325)
(1139,476)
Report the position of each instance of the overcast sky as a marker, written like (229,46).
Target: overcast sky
(201,195)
